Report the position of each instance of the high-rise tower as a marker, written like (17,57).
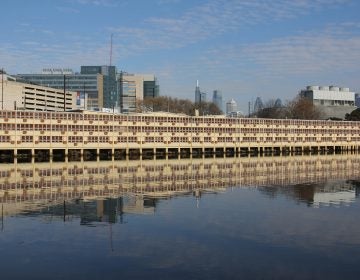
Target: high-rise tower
(199,96)
(231,107)
(197,93)
(217,99)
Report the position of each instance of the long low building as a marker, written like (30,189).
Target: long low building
(66,133)
(25,96)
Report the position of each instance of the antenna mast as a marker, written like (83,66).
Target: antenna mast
(111,46)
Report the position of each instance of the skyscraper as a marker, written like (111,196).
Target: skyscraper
(231,107)
(197,93)
(199,96)
(217,99)
(259,105)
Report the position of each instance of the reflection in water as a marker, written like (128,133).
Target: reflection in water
(259,218)
(314,180)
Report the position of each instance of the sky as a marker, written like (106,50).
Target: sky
(244,48)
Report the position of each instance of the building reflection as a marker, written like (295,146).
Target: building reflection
(104,191)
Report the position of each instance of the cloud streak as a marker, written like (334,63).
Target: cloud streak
(206,42)
(213,18)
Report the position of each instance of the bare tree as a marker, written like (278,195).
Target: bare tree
(175,105)
(273,111)
(303,108)
(299,108)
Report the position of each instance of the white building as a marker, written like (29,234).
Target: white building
(22,96)
(333,101)
(231,107)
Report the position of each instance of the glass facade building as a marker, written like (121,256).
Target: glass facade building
(110,98)
(151,89)
(134,88)
(98,83)
(217,99)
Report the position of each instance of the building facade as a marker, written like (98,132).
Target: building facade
(357,100)
(334,102)
(110,93)
(60,134)
(231,107)
(217,99)
(134,88)
(22,96)
(199,95)
(97,83)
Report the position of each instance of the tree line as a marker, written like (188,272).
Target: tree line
(176,105)
(298,108)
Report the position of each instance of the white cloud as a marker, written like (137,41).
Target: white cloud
(105,3)
(213,18)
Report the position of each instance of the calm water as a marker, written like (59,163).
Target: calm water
(194,219)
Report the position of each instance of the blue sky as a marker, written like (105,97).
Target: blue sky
(245,48)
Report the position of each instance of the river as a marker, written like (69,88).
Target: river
(218,218)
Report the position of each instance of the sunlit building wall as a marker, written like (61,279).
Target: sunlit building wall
(134,88)
(23,96)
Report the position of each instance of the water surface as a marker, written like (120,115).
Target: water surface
(200,219)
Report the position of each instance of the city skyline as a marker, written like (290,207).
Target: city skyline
(244,48)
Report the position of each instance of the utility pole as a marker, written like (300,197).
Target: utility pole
(64,93)
(84,98)
(2,89)
(121,105)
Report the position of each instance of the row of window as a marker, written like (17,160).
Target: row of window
(137,129)
(159,139)
(171,119)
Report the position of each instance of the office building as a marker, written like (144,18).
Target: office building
(357,100)
(134,88)
(199,96)
(110,96)
(334,102)
(217,99)
(231,107)
(98,83)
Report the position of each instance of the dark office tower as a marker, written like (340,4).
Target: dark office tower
(217,99)
(110,96)
(151,89)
